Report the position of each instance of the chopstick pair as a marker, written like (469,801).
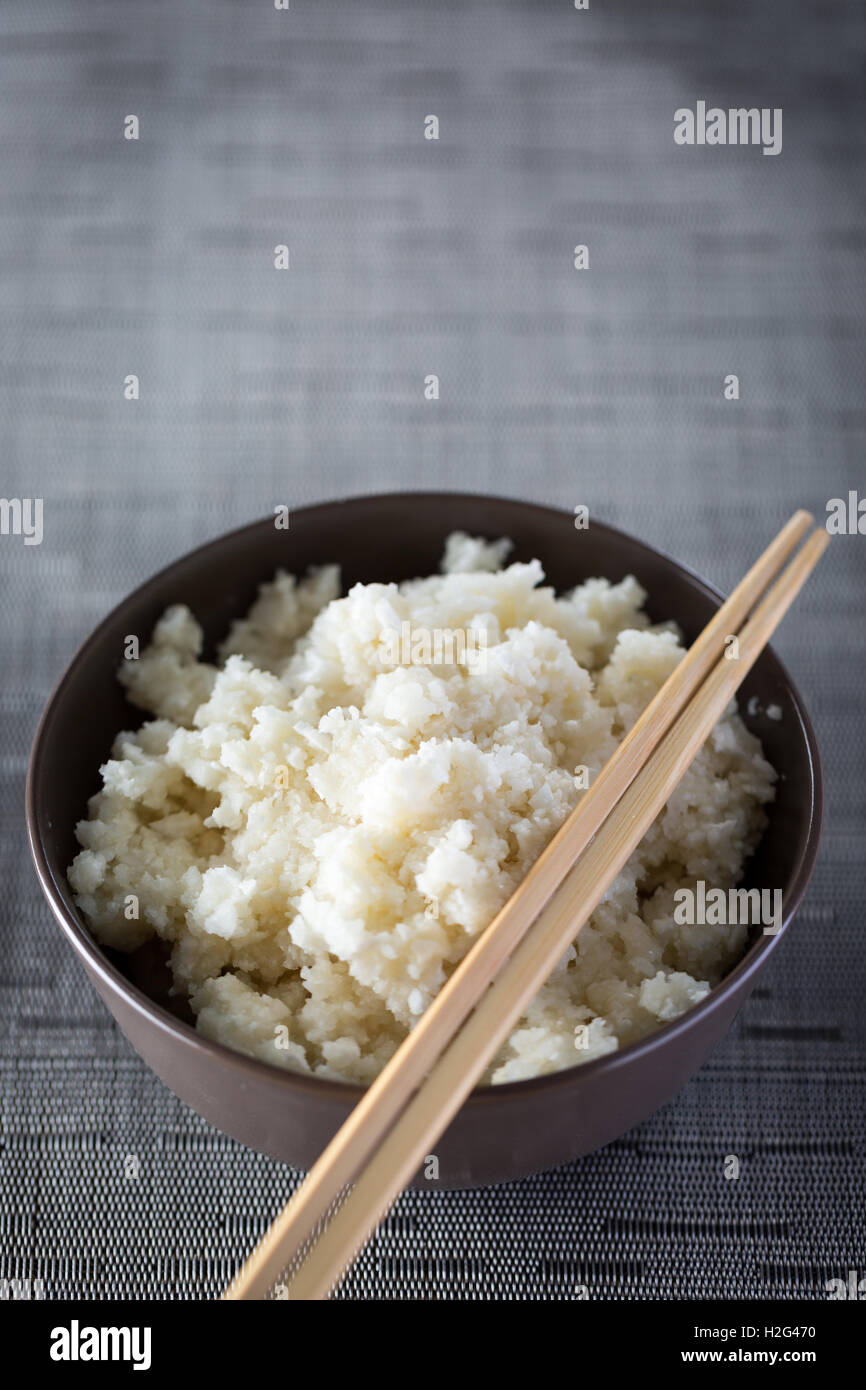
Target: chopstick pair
(407,1107)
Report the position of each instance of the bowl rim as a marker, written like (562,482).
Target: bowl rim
(184,1034)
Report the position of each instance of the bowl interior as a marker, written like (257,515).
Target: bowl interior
(392,537)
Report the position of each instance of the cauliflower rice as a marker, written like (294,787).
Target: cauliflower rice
(318,833)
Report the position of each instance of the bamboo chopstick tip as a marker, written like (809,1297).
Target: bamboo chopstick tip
(813,548)
(823,539)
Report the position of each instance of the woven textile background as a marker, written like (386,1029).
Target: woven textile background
(455,257)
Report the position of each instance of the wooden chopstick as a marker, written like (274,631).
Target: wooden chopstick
(456,1073)
(388,1096)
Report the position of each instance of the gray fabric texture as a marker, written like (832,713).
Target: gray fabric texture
(257,387)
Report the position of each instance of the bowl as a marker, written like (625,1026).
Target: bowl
(502,1132)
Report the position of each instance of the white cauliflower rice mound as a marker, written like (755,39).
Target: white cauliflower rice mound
(319,834)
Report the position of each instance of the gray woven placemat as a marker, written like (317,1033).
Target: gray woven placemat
(408,258)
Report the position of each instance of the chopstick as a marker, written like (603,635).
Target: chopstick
(388,1094)
(456,1073)
(451,1079)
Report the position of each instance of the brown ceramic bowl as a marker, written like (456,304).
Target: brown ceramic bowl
(501,1132)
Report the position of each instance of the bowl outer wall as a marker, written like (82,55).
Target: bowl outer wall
(503,1132)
